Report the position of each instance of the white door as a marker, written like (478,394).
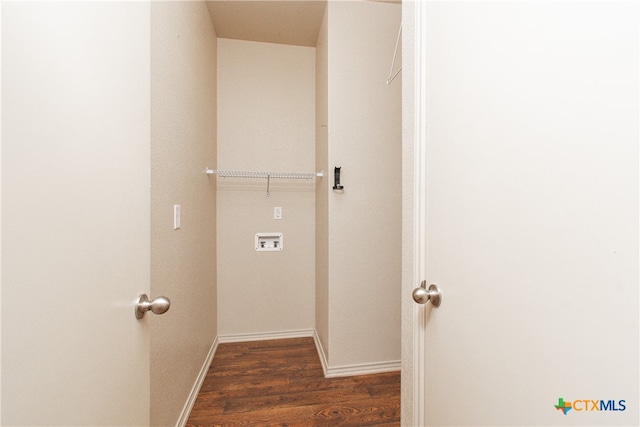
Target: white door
(75,213)
(527,211)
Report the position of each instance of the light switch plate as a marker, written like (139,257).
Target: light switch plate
(176,217)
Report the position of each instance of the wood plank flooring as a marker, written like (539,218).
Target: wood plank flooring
(280,383)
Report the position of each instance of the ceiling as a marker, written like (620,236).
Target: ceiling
(294,22)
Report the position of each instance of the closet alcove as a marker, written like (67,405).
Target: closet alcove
(297,86)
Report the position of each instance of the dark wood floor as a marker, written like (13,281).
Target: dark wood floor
(280,383)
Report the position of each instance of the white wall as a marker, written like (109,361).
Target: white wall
(183,142)
(75,201)
(266,122)
(363,223)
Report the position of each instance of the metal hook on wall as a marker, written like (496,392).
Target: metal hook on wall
(393,62)
(336,179)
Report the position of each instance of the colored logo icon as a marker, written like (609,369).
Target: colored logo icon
(563,406)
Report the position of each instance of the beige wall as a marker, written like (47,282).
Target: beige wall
(363,223)
(266,122)
(322,191)
(183,142)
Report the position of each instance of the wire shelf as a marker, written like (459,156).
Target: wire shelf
(267,175)
(258,174)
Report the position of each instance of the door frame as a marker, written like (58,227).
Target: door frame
(414,147)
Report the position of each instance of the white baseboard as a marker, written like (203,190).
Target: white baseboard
(321,354)
(351,370)
(362,369)
(188,406)
(300,333)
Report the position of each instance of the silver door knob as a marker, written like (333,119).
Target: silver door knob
(157,306)
(421,295)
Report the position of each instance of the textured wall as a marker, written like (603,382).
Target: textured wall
(322,192)
(183,142)
(266,122)
(363,223)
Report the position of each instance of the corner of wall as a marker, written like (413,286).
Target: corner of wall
(322,193)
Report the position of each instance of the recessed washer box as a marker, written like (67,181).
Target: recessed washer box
(269,241)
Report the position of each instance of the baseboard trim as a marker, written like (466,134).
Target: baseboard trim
(351,370)
(188,406)
(362,369)
(300,333)
(321,353)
